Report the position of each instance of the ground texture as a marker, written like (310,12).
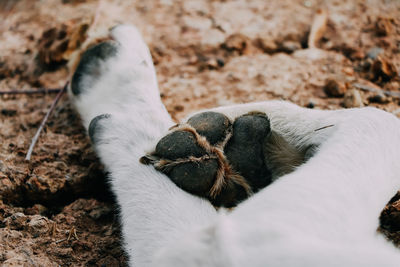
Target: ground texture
(56,210)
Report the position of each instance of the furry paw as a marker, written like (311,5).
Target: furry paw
(214,158)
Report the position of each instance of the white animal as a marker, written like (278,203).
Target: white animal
(325,213)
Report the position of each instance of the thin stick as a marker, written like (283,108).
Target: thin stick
(96,14)
(317,28)
(35,138)
(61,240)
(31,91)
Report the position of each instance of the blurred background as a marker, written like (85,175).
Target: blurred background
(55,209)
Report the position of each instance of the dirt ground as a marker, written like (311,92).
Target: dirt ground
(56,210)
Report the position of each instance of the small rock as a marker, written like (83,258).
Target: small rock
(352,99)
(334,88)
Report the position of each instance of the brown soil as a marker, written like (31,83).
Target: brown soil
(56,209)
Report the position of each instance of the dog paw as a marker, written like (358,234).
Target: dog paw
(215,158)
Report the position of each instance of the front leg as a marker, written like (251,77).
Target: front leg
(115,91)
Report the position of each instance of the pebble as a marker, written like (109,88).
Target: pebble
(352,99)
(334,88)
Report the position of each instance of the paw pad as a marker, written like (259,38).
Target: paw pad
(214,158)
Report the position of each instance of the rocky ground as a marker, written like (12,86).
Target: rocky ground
(56,210)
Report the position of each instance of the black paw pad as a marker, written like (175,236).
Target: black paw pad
(89,64)
(245,149)
(179,145)
(195,177)
(212,157)
(212,125)
(95,127)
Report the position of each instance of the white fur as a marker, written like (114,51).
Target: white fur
(323,214)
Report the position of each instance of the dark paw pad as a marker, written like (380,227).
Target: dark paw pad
(89,64)
(212,157)
(95,127)
(179,145)
(245,149)
(212,125)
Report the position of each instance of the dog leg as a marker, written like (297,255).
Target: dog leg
(114,89)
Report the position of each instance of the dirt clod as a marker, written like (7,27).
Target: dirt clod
(383,70)
(334,88)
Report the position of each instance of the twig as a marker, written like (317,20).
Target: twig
(31,91)
(96,14)
(368,88)
(61,240)
(317,28)
(53,229)
(72,233)
(35,138)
